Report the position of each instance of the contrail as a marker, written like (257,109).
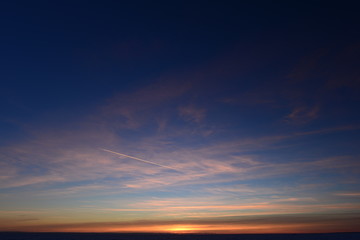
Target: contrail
(139,159)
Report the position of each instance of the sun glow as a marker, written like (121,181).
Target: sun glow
(183,228)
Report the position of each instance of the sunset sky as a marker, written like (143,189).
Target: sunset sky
(180,116)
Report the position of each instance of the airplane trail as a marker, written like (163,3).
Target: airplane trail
(139,159)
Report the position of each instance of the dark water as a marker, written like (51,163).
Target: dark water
(115,236)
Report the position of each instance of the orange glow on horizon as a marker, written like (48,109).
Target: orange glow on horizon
(184,229)
(216,228)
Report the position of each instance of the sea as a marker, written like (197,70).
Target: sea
(121,236)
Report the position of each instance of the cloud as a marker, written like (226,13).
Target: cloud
(235,173)
(304,70)
(136,109)
(321,86)
(192,114)
(285,223)
(348,194)
(73,157)
(17,212)
(330,130)
(303,114)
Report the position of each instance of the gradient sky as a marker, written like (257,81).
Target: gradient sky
(235,117)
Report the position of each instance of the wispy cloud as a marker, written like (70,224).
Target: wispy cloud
(192,113)
(303,114)
(348,194)
(235,172)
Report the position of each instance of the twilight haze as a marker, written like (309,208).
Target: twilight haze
(180,117)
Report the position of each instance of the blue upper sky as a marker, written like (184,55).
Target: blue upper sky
(179,116)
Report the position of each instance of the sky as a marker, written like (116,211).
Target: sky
(179,116)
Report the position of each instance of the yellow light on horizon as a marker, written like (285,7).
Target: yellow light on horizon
(183,228)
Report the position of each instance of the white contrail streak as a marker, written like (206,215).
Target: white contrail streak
(139,159)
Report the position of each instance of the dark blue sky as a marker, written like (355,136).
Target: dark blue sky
(255,104)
